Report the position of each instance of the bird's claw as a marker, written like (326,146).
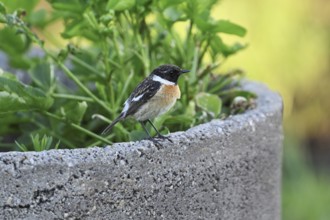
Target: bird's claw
(159,136)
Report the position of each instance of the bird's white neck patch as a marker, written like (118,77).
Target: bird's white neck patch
(163,81)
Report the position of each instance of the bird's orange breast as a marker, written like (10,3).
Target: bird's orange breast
(169,92)
(160,103)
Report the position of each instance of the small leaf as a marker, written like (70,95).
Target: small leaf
(136,135)
(173,14)
(217,45)
(7,75)
(232,93)
(42,74)
(22,147)
(196,8)
(228,27)
(2,8)
(15,44)
(168,3)
(101,88)
(180,120)
(11,102)
(209,102)
(207,24)
(3,19)
(16,96)
(74,111)
(73,29)
(120,5)
(72,6)
(28,6)
(38,18)
(191,109)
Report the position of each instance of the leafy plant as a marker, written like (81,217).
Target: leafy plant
(44,143)
(123,41)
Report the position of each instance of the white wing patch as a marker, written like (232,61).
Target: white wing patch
(162,81)
(128,101)
(126,107)
(135,99)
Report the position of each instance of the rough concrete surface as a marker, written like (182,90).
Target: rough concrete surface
(225,169)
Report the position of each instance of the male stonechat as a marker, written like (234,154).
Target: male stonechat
(154,96)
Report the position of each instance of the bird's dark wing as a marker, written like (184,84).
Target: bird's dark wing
(141,94)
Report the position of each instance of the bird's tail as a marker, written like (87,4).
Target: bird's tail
(109,127)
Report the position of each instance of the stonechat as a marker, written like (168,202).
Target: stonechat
(154,96)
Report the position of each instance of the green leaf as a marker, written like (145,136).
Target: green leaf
(15,47)
(38,18)
(74,111)
(16,96)
(15,44)
(179,120)
(74,28)
(218,46)
(41,144)
(7,75)
(72,6)
(43,75)
(141,2)
(209,102)
(232,93)
(199,9)
(2,8)
(11,102)
(101,88)
(28,6)
(228,27)
(206,24)
(173,14)
(22,147)
(136,135)
(3,19)
(168,3)
(120,5)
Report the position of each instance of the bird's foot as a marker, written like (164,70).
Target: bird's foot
(159,136)
(155,142)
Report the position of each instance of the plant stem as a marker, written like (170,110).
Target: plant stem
(85,65)
(200,59)
(191,23)
(78,127)
(52,133)
(84,88)
(74,97)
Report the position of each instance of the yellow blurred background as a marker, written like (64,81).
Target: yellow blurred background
(289,50)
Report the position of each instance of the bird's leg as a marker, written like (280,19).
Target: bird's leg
(157,144)
(143,123)
(158,134)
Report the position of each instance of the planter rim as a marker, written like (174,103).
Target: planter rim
(267,104)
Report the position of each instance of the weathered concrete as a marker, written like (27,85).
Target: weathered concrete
(228,169)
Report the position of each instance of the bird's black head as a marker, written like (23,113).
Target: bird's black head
(169,72)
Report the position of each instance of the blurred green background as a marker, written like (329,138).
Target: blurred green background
(289,50)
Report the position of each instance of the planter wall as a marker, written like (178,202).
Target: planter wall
(225,169)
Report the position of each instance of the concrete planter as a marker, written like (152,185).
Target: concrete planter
(225,169)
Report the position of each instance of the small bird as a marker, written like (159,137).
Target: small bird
(154,96)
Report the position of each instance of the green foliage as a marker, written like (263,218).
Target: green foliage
(126,40)
(39,144)
(209,103)
(18,97)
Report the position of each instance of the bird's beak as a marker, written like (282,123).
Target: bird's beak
(184,71)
